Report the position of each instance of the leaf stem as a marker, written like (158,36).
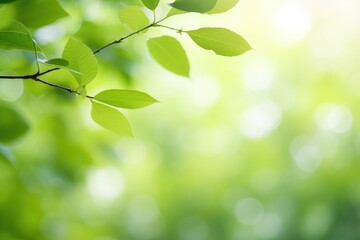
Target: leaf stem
(171,28)
(59,87)
(35,77)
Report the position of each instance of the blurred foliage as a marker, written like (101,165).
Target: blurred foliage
(263,146)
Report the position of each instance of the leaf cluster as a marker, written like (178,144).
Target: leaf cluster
(81,62)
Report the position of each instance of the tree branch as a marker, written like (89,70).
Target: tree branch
(36,76)
(59,86)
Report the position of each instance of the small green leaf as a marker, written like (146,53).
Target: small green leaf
(134,18)
(150,4)
(200,6)
(111,119)
(58,62)
(223,6)
(222,41)
(81,60)
(125,98)
(12,124)
(38,13)
(169,53)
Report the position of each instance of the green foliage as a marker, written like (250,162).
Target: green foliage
(82,60)
(222,41)
(10,40)
(169,53)
(200,6)
(151,4)
(223,6)
(110,119)
(82,64)
(125,98)
(12,124)
(38,13)
(134,18)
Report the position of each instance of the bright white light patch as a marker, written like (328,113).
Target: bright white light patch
(105,184)
(206,92)
(260,120)
(49,33)
(258,74)
(291,23)
(333,118)
(11,90)
(269,226)
(249,210)
(306,154)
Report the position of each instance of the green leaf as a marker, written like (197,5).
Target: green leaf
(150,4)
(200,6)
(111,119)
(38,13)
(223,6)
(81,60)
(12,124)
(174,11)
(59,63)
(125,98)
(134,18)
(11,40)
(169,53)
(222,41)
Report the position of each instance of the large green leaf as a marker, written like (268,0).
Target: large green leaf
(10,40)
(134,18)
(111,119)
(223,6)
(151,4)
(12,124)
(125,98)
(82,60)
(200,6)
(221,40)
(38,13)
(169,53)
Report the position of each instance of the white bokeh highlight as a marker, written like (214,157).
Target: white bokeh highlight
(258,73)
(291,22)
(105,184)
(259,120)
(306,154)
(334,118)
(249,211)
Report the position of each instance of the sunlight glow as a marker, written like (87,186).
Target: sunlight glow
(333,118)
(260,120)
(105,184)
(249,211)
(269,226)
(258,74)
(306,154)
(291,23)
(11,90)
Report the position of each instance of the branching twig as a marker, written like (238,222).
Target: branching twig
(36,76)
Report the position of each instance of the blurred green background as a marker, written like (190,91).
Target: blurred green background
(261,146)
